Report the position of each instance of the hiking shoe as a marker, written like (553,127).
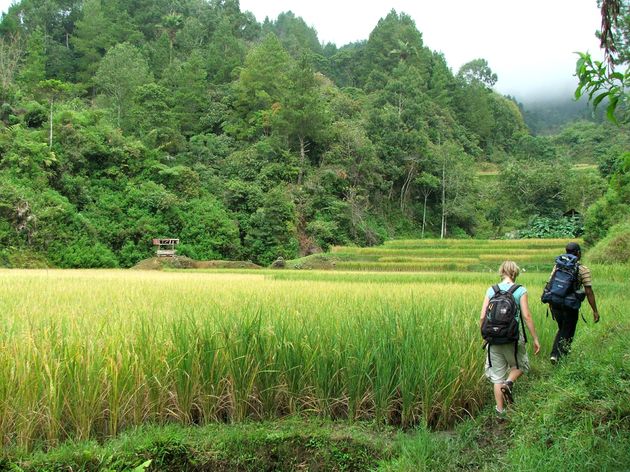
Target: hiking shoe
(500,414)
(554,360)
(506,389)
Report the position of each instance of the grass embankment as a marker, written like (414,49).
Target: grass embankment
(288,445)
(182,262)
(615,247)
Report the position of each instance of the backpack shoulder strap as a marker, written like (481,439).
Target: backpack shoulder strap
(514,288)
(496,289)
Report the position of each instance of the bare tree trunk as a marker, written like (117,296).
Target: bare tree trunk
(443,229)
(424,213)
(50,131)
(302,160)
(405,187)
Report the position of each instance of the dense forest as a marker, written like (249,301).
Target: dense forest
(127,120)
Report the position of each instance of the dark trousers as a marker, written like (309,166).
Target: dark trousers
(567,321)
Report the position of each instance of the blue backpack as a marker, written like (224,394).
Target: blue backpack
(561,290)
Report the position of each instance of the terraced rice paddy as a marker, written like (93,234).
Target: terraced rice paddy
(87,354)
(456,255)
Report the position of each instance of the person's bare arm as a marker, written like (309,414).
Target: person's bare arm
(529,321)
(590,296)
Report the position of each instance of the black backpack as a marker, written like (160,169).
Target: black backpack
(500,325)
(561,290)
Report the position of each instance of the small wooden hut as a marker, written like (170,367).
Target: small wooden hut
(165,247)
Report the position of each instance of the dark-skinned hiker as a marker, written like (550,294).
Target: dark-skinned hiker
(570,282)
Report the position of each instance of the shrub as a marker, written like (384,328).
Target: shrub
(84,253)
(543,227)
(209,232)
(36,115)
(325,233)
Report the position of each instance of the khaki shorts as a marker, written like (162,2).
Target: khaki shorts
(502,357)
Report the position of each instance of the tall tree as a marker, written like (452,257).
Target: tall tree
(456,183)
(188,86)
(302,115)
(171,24)
(394,39)
(478,71)
(120,72)
(259,90)
(11,51)
(225,53)
(294,34)
(52,89)
(34,68)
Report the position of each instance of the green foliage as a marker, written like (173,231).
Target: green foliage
(534,186)
(121,71)
(325,233)
(614,206)
(259,90)
(83,253)
(34,70)
(296,36)
(600,83)
(395,39)
(208,232)
(478,71)
(563,227)
(271,229)
(35,116)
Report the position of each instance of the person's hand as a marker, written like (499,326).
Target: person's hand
(536,346)
(596,317)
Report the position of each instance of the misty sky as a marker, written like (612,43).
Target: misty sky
(530,44)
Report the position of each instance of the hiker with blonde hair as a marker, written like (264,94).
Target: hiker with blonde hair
(505,308)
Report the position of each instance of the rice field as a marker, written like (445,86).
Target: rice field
(449,255)
(88,353)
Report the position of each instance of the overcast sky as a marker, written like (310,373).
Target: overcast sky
(530,44)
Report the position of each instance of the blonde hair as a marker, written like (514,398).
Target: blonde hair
(509,269)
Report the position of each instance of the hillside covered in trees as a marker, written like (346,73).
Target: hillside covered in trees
(126,120)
